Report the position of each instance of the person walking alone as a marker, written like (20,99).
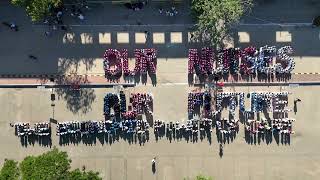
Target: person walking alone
(153,165)
(33,58)
(146,33)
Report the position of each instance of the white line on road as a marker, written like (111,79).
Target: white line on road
(174,84)
(276,24)
(177,25)
(119,25)
(164,84)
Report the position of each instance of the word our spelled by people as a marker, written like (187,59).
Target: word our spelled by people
(140,103)
(116,63)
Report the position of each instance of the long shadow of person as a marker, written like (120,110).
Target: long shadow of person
(221,151)
(153,78)
(153,167)
(295,108)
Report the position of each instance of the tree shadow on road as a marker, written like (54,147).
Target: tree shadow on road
(71,65)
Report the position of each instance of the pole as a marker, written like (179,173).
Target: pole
(52,105)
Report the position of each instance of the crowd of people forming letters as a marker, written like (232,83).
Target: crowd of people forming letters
(190,130)
(275,103)
(249,61)
(28,134)
(270,102)
(116,63)
(119,121)
(38,129)
(205,113)
(131,120)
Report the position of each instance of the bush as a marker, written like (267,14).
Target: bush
(201,177)
(53,164)
(10,170)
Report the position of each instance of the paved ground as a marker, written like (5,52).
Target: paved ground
(81,50)
(281,11)
(299,160)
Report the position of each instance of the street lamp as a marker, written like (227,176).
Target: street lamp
(53,105)
(53,98)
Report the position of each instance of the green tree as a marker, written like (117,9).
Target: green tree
(10,170)
(20,2)
(215,17)
(51,165)
(201,177)
(37,9)
(82,175)
(75,174)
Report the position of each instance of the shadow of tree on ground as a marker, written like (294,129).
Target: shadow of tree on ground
(71,65)
(78,100)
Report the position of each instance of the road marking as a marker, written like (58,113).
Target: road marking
(276,24)
(96,75)
(163,84)
(181,25)
(119,25)
(293,85)
(306,73)
(174,84)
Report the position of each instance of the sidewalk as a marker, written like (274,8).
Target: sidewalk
(101,81)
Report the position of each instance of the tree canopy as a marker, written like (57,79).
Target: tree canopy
(37,9)
(50,165)
(10,170)
(54,164)
(82,175)
(214,17)
(201,177)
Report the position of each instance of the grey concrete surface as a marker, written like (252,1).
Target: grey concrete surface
(176,160)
